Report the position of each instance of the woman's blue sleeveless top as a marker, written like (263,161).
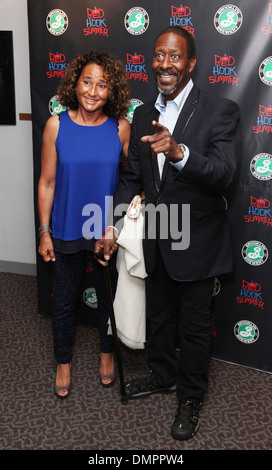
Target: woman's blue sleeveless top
(87,175)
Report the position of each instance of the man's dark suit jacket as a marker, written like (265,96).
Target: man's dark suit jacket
(209,126)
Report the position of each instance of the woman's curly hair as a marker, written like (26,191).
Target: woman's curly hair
(119,93)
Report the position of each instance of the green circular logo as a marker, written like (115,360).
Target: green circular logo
(246,331)
(265,71)
(254,253)
(228,19)
(90,297)
(54,106)
(216,287)
(134,103)
(136,21)
(261,166)
(57,22)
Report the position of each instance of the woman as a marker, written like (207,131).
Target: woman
(80,165)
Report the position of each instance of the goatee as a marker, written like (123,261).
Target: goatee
(166,92)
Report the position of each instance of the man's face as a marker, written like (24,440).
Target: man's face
(171,66)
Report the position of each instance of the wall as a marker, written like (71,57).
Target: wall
(233,43)
(17,236)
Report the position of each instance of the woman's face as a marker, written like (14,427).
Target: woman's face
(92,88)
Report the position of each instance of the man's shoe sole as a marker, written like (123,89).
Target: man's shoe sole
(148,393)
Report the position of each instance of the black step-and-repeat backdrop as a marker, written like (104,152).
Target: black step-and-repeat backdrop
(234,46)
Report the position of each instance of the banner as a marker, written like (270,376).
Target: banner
(233,42)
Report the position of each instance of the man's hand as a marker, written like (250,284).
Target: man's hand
(106,246)
(162,141)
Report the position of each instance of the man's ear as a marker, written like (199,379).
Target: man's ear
(192,64)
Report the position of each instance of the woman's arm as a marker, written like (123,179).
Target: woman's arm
(46,186)
(124,134)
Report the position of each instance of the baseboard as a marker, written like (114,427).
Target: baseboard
(18,268)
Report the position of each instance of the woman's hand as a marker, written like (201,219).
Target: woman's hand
(46,248)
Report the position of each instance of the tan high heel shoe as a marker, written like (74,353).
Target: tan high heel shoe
(107,380)
(62,391)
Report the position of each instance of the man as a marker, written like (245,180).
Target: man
(183,151)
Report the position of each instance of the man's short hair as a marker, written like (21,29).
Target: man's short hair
(191,50)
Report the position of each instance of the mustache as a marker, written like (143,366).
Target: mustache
(166,71)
